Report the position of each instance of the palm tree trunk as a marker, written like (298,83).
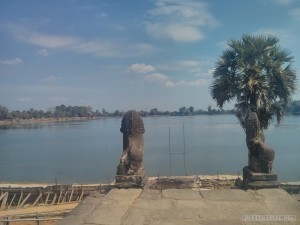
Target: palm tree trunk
(253,102)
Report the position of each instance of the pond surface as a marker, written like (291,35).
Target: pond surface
(89,151)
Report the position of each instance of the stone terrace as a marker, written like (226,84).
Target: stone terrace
(184,206)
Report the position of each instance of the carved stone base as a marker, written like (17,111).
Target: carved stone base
(131,181)
(257,165)
(254,180)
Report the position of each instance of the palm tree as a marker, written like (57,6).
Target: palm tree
(257,73)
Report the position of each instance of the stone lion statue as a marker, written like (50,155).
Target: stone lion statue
(131,162)
(260,155)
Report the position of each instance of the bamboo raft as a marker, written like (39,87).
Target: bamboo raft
(43,203)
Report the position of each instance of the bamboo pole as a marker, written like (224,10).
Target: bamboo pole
(81,196)
(70,199)
(32,219)
(24,201)
(5,197)
(37,199)
(65,197)
(20,199)
(59,197)
(47,198)
(12,200)
(54,199)
(2,195)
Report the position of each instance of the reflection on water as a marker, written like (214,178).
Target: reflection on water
(21,126)
(89,151)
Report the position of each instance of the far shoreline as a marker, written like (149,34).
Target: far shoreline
(16,122)
(45,120)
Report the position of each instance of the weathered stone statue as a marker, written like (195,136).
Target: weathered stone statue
(131,168)
(258,173)
(261,156)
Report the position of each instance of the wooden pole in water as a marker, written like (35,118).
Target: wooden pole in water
(183,134)
(170,151)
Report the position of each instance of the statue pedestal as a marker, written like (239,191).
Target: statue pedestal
(131,181)
(254,180)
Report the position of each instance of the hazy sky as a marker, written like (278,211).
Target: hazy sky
(128,54)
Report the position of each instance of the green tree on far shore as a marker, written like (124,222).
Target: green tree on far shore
(295,107)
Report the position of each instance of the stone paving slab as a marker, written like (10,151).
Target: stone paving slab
(184,206)
(279,202)
(230,195)
(231,210)
(77,216)
(181,194)
(124,195)
(155,204)
(151,194)
(112,210)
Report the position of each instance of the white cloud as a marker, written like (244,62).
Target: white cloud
(96,47)
(141,68)
(157,78)
(51,41)
(40,39)
(197,83)
(183,83)
(12,62)
(114,48)
(179,20)
(140,49)
(201,72)
(59,99)
(175,31)
(52,79)
(295,13)
(190,63)
(167,82)
(43,52)
(24,99)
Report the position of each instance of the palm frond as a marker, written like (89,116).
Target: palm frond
(256,72)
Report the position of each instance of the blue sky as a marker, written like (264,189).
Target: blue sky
(128,54)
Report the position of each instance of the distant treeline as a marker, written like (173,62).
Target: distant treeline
(63,111)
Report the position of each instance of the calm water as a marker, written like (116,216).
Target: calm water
(89,151)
